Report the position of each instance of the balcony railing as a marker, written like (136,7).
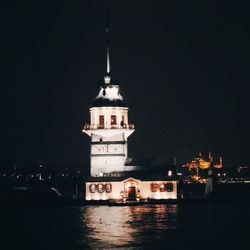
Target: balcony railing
(113,126)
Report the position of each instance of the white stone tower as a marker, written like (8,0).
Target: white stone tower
(109,127)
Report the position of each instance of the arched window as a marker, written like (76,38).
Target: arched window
(92,188)
(100,188)
(108,188)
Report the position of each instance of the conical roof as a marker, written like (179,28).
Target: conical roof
(109,95)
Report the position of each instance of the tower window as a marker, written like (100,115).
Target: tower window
(101,121)
(122,121)
(113,120)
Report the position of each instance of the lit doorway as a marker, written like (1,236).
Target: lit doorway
(131,193)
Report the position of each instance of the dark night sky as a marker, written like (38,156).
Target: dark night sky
(183,68)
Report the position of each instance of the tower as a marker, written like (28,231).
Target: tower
(109,127)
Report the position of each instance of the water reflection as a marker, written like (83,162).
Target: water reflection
(129,227)
(178,227)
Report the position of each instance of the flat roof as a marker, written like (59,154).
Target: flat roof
(143,176)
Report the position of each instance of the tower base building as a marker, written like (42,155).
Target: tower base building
(136,188)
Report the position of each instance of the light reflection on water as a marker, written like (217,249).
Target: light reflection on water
(165,226)
(178,227)
(128,227)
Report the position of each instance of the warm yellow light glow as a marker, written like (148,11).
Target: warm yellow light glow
(202,163)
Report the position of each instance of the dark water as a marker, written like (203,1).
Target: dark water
(139,227)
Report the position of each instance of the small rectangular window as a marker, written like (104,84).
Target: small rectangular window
(169,187)
(101,121)
(92,188)
(100,188)
(154,187)
(113,120)
(162,187)
(108,188)
(122,122)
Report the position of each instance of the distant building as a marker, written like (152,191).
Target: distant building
(112,178)
(201,163)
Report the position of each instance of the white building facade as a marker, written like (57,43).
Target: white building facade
(109,130)
(130,189)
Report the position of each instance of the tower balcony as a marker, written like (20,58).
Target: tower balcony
(108,131)
(112,126)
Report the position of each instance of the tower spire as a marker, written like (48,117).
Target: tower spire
(107,29)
